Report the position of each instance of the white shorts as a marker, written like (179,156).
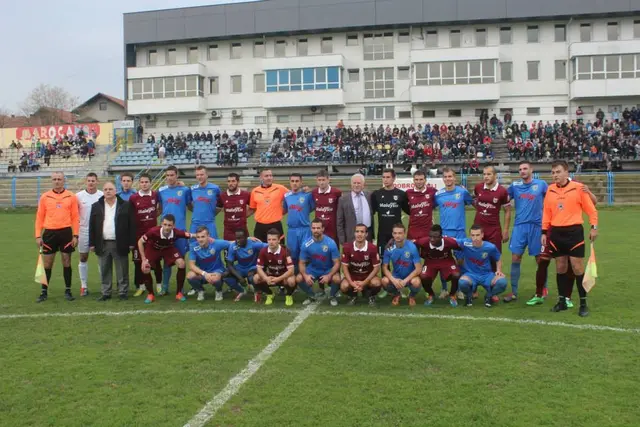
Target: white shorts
(83,241)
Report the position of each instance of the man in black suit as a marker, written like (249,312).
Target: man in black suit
(354,208)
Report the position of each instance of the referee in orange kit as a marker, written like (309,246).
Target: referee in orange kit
(266,201)
(57,227)
(562,230)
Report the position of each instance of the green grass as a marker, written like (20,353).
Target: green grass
(159,370)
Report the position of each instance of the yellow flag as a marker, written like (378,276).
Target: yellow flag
(40,276)
(591,272)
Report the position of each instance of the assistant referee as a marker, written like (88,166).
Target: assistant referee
(57,227)
(562,229)
(266,201)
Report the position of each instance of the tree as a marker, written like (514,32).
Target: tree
(50,103)
(5,115)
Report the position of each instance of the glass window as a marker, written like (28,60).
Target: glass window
(258,83)
(587,109)
(280,48)
(237,121)
(321,78)
(272,78)
(379,83)
(560,110)
(455,40)
(236,50)
(236,84)
(389,112)
(333,75)
(352,40)
(432,39)
(505,35)
(353,75)
(180,87)
(636,29)
(308,78)
(283,77)
(506,71)
(192,85)
(613,66)
(158,88)
(282,119)
(532,70)
(461,72)
(171,56)
(428,114)
(194,55)
(404,37)
(584,68)
(481,37)
(194,122)
(303,47)
(585,32)
(169,87)
(296,76)
(533,111)
(331,117)
(533,34)
(172,123)
(212,53)
(627,66)
(561,69)
(560,33)
(354,116)
(488,71)
(147,88)
(447,73)
(377,46)
(260,120)
(200,86)
(597,67)
(612,31)
(403,73)
(455,113)
(151,124)
(326,45)
(404,114)
(306,118)
(136,89)
(153,57)
(258,49)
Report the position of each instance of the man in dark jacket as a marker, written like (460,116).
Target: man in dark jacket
(111,235)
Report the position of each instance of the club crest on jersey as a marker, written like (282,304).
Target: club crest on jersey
(180,193)
(534,187)
(212,251)
(495,200)
(325,248)
(457,196)
(453,267)
(250,251)
(153,202)
(395,197)
(210,193)
(329,200)
(428,196)
(407,255)
(366,257)
(241,201)
(484,255)
(301,199)
(279,261)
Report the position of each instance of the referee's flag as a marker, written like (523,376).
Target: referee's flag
(591,272)
(40,276)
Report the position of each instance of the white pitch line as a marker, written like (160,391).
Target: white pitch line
(234,384)
(143,312)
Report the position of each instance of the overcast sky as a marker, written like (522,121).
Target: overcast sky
(70,43)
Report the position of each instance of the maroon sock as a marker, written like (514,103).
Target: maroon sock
(157,269)
(180,279)
(454,286)
(146,279)
(541,276)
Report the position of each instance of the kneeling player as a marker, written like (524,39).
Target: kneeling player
(438,258)
(404,258)
(360,268)
(242,257)
(319,262)
(159,244)
(274,267)
(478,256)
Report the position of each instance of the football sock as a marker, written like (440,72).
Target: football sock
(182,273)
(47,273)
(334,290)
(290,289)
(373,291)
(306,289)
(515,277)
(218,285)
(427,285)
(232,282)
(159,272)
(454,286)
(413,291)
(146,279)
(444,282)
(581,290)
(66,273)
(571,277)
(166,276)
(83,271)
(542,273)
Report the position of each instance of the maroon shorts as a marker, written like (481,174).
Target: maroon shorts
(230,234)
(418,233)
(493,235)
(444,267)
(169,256)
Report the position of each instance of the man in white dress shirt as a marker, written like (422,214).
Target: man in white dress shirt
(86,198)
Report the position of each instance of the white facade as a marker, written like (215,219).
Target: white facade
(544,82)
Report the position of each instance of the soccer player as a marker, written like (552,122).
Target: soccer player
(420,200)
(319,262)
(360,268)
(405,263)
(159,244)
(205,263)
(388,202)
(242,257)
(126,184)
(562,229)
(326,200)
(175,199)
(204,202)
(86,198)
(266,202)
(477,256)
(56,229)
(437,252)
(235,205)
(274,268)
(299,206)
(490,197)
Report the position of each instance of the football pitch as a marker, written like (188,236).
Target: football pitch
(85,363)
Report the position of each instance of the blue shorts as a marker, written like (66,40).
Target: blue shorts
(483,280)
(526,236)
(316,275)
(455,234)
(182,245)
(211,226)
(244,272)
(295,239)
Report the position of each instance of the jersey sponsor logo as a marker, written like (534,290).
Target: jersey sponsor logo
(174,201)
(528,196)
(324,209)
(388,205)
(237,209)
(147,210)
(468,244)
(452,205)
(421,205)
(202,199)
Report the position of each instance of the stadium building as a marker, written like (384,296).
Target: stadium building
(290,63)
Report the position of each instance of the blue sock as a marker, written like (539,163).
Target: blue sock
(166,276)
(465,287)
(392,290)
(196,284)
(306,289)
(334,290)
(232,282)
(444,282)
(218,285)
(414,291)
(515,277)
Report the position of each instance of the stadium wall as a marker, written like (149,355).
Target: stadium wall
(103,132)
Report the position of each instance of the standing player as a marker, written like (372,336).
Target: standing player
(388,202)
(562,229)
(438,257)
(266,202)
(57,227)
(235,205)
(86,198)
(126,184)
(242,257)
(205,198)
(420,200)
(406,265)
(299,206)
(477,256)
(174,199)
(319,262)
(274,268)
(326,200)
(360,268)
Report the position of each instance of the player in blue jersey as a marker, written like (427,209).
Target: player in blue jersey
(205,202)
(174,199)
(299,205)
(319,262)
(126,184)
(477,270)
(242,260)
(404,259)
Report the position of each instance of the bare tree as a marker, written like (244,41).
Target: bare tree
(49,102)
(5,115)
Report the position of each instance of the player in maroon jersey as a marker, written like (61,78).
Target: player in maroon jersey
(420,199)
(159,244)
(360,268)
(274,268)
(145,208)
(438,258)
(326,199)
(235,204)
(489,197)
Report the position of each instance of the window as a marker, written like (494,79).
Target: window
(626,62)
(403,73)
(213,85)
(559,111)
(171,56)
(354,117)
(597,66)
(378,46)
(194,122)
(102,106)
(331,117)
(404,37)
(585,32)
(153,57)
(587,109)
(352,40)
(280,48)
(303,47)
(612,108)
(158,88)
(259,50)
(151,124)
(306,118)
(212,53)
(194,56)
(560,33)
(172,123)
(237,121)
(612,31)
(428,114)
(481,37)
(282,119)
(214,121)
(532,70)
(353,75)
(192,86)
(379,113)
(636,29)
(533,111)
(303,79)
(455,113)
(505,35)
(260,120)
(236,50)
(533,34)
(478,112)
(613,66)
(454,38)
(404,114)
(432,39)
(378,83)
(504,111)
(561,69)
(506,69)
(166,87)
(458,72)
(236,84)
(258,83)
(326,45)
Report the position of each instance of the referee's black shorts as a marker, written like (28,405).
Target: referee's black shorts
(567,241)
(57,240)
(260,230)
